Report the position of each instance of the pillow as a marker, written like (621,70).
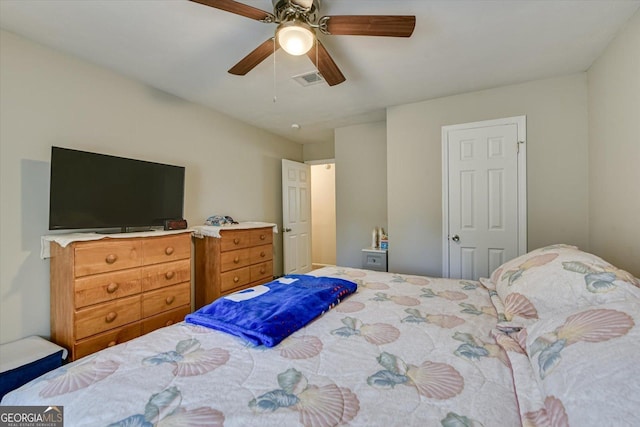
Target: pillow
(558,279)
(578,368)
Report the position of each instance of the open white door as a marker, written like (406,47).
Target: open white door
(484,196)
(296,217)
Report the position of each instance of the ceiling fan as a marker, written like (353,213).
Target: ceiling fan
(298,21)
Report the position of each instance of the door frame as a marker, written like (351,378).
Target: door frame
(521,123)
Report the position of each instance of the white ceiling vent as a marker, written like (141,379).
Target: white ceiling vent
(308,79)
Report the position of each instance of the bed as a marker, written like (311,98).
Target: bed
(551,339)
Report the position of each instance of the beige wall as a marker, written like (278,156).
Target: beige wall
(52,99)
(361,188)
(614,151)
(557,162)
(318,151)
(323,214)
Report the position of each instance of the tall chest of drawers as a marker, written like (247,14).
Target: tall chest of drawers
(238,259)
(108,291)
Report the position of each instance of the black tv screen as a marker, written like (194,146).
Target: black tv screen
(91,190)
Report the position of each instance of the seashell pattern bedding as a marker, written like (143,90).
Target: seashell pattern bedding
(404,350)
(551,339)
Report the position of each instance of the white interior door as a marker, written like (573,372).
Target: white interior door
(296,217)
(485,196)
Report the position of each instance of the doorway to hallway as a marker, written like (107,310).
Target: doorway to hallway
(323,213)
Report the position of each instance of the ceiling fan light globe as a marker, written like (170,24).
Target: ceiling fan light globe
(295,38)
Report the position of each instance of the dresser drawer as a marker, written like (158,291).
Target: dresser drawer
(261,253)
(235,259)
(103,256)
(261,271)
(165,299)
(235,239)
(235,278)
(170,273)
(99,288)
(165,319)
(261,236)
(374,259)
(96,319)
(107,339)
(167,248)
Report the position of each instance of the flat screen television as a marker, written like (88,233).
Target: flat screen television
(99,191)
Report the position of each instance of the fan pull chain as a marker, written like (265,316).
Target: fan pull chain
(275,97)
(317,65)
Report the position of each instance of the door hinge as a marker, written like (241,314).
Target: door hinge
(518,146)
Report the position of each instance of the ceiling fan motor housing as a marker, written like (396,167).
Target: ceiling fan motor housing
(304,10)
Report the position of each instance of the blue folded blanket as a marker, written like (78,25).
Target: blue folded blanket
(267,314)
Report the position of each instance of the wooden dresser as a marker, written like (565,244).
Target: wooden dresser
(238,259)
(105,292)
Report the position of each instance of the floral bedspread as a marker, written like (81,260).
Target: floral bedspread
(403,351)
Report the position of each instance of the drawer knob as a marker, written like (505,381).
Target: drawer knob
(110,317)
(236,241)
(169,250)
(263,236)
(169,323)
(111,343)
(111,258)
(236,260)
(112,287)
(236,279)
(169,275)
(262,254)
(170,300)
(263,270)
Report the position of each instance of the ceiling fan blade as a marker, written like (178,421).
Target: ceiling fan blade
(239,9)
(325,64)
(256,56)
(370,25)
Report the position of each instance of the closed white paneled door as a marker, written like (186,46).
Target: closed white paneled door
(296,217)
(484,196)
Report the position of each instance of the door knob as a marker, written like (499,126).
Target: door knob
(455,238)
(287,230)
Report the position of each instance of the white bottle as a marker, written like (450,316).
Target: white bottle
(374,238)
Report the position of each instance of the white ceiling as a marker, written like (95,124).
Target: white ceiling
(185,49)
